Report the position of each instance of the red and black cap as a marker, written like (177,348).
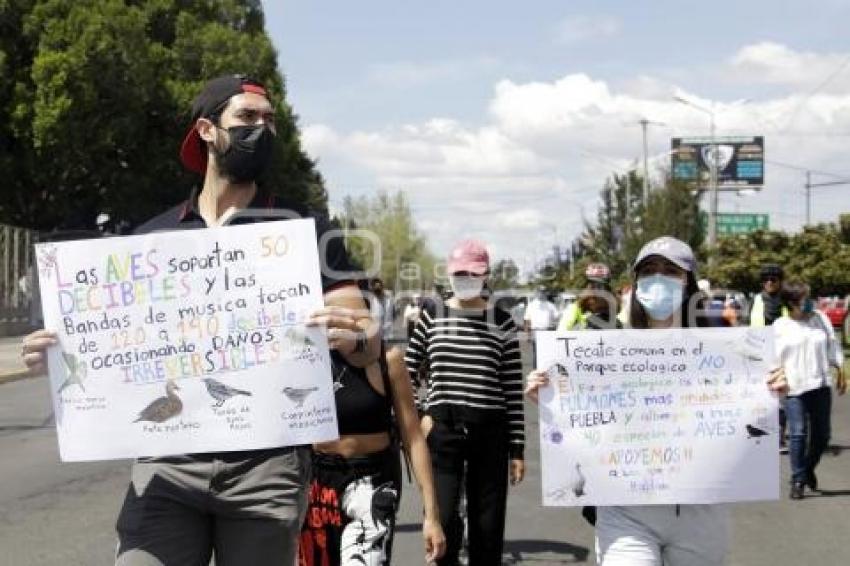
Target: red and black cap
(211,101)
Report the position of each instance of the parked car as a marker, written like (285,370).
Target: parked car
(836,310)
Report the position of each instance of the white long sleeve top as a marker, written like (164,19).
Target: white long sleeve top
(806,348)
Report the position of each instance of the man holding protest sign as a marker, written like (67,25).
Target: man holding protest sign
(246,507)
(627,530)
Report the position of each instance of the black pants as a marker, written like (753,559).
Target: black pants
(480,453)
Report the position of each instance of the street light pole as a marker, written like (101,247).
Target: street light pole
(644,123)
(712,170)
(712,219)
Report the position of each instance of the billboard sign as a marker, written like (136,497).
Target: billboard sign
(740,160)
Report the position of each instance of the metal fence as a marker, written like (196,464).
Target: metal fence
(16,276)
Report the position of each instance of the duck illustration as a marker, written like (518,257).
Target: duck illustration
(578,484)
(77,371)
(298,394)
(162,408)
(221,392)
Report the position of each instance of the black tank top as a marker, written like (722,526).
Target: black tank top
(360,409)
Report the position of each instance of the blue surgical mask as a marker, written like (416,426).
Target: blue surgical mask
(660,295)
(808,306)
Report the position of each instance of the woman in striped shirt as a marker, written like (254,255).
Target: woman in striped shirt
(474,402)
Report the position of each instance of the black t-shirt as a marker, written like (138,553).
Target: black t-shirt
(772,307)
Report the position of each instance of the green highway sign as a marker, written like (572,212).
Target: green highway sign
(729,224)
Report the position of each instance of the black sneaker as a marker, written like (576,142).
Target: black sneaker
(796,491)
(812,481)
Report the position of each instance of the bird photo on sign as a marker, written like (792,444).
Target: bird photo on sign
(221,392)
(298,394)
(163,408)
(300,346)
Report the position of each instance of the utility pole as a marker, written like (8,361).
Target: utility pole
(808,198)
(644,123)
(809,185)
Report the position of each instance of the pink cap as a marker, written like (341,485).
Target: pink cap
(470,256)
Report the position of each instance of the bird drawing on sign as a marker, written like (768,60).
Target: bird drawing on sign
(297,338)
(77,371)
(221,392)
(556,370)
(298,394)
(756,432)
(47,260)
(578,484)
(163,408)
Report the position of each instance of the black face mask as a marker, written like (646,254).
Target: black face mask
(248,154)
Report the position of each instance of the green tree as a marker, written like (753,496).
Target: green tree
(623,225)
(393,241)
(818,255)
(95,99)
(504,275)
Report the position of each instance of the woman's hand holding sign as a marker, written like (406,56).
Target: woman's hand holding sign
(344,326)
(534,381)
(777,382)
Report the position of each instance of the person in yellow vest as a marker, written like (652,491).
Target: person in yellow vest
(767,305)
(596,306)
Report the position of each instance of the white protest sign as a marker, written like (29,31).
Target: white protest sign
(658,416)
(185,342)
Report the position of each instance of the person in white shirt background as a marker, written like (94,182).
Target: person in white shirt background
(540,314)
(411,314)
(383,307)
(807,350)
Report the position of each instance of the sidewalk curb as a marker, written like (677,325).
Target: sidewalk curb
(14,375)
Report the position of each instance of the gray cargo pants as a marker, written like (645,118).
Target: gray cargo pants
(245,507)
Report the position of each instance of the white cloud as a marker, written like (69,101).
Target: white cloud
(774,63)
(577,29)
(531,175)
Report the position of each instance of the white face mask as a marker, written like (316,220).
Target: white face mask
(466,287)
(660,295)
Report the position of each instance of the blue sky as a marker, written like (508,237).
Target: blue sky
(501,120)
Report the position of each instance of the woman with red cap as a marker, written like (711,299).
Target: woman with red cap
(475,418)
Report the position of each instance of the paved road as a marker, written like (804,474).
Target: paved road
(64,514)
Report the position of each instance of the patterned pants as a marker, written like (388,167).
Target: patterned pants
(351,510)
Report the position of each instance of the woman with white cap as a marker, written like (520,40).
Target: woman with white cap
(475,402)
(665,296)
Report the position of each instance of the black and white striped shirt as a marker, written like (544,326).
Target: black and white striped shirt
(474,367)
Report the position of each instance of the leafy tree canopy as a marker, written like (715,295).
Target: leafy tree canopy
(386,236)
(95,102)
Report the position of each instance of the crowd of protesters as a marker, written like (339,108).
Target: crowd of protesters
(464,436)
